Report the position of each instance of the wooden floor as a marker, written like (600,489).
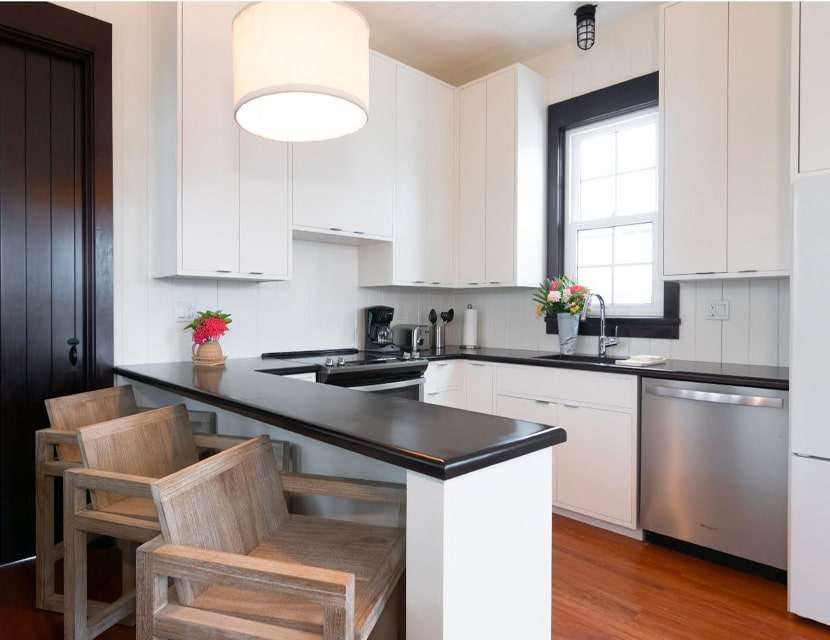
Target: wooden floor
(604,586)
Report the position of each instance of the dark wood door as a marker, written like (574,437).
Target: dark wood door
(41,264)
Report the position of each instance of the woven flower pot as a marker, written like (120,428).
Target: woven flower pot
(208,354)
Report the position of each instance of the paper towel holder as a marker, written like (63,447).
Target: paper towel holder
(470,317)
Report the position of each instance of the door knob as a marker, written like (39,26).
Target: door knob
(73,350)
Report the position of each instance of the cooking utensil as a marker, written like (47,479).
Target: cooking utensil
(444,316)
(450,315)
(433,317)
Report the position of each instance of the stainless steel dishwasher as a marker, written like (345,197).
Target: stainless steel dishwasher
(713,467)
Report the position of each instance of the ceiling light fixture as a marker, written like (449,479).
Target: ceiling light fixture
(300,70)
(585,26)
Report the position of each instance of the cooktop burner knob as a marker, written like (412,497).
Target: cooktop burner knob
(329,362)
(341,361)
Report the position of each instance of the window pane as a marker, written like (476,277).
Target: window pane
(596,156)
(593,247)
(632,244)
(637,148)
(632,284)
(597,279)
(637,192)
(597,199)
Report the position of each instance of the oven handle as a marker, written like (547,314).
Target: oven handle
(391,385)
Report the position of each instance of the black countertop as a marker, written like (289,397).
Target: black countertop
(712,372)
(436,441)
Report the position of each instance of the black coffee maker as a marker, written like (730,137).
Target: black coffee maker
(378,333)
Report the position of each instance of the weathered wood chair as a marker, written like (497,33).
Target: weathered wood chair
(121,458)
(244,567)
(57,450)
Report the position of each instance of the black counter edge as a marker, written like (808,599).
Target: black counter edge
(432,467)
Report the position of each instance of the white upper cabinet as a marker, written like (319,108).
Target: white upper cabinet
(220,202)
(346,187)
(502,142)
(813,125)
(725,118)
(424,211)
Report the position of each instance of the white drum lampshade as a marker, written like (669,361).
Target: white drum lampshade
(300,70)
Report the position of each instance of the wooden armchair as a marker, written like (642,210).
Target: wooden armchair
(56,451)
(244,567)
(121,458)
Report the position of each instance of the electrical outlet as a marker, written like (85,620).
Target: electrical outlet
(185,311)
(717,310)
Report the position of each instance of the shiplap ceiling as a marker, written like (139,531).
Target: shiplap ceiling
(461,41)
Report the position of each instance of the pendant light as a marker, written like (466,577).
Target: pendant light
(300,70)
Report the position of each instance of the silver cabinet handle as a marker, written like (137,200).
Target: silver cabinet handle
(433,393)
(571,406)
(541,402)
(475,364)
(223,271)
(720,398)
(441,364)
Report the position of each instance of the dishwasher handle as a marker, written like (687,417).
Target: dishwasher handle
(720,398)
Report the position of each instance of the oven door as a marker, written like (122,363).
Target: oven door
(412,389)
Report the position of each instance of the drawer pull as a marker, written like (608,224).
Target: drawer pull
(441,364)
(571,406)
(433,393)
(543,402)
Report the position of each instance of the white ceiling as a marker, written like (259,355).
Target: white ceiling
(461,41)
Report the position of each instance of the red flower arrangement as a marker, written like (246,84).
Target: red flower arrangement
(209,326)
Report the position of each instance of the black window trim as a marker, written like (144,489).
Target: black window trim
(616,100)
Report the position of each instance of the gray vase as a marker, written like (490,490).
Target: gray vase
(568,324)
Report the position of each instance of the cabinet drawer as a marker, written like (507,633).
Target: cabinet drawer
(442,375)
(541,411)
(446,398)
(608,389)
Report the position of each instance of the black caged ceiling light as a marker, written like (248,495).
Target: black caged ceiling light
(585,26)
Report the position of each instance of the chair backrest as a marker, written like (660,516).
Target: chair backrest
(151,444)
(68,413)
(229,502)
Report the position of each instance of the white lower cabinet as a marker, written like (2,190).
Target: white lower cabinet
(479,386)
(446,398)
(445,384)
(595,470)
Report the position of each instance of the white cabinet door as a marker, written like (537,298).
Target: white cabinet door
(472,141)
(479,387)
(759,204)
(210,141)
(593,472)
(410,247)
(264,215)
(348,185)
(809,567)
(814,90)
(440,168)
(500,178)
(694,101)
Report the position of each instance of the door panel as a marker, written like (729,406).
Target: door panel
(41,257)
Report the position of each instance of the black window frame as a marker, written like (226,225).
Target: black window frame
(609,102)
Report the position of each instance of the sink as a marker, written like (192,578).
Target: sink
(561,357)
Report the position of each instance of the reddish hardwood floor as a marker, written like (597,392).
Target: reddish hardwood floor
(604,586)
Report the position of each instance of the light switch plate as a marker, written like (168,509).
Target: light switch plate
(185,310)
(717,310)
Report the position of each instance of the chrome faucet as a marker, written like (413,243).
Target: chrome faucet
(603,340)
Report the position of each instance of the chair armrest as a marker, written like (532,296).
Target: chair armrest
(213,441)
(327,587)
(57,436)
(120,483)
(349,488)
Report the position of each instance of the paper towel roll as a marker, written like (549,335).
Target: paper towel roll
(470,338)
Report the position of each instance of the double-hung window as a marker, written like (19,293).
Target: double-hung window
(611,219)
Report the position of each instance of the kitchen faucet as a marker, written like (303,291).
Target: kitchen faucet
(603,340)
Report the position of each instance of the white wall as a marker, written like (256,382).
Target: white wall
(320,307)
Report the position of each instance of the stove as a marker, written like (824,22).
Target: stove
(397,372)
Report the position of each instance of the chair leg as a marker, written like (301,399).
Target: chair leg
(151,590)
(44,528)
(74,569)
(128,573)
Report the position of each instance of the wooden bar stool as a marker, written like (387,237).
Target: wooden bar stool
(124,455)
(57,450)
(244,567)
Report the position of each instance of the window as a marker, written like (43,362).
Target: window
(611,211)
(613,218)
